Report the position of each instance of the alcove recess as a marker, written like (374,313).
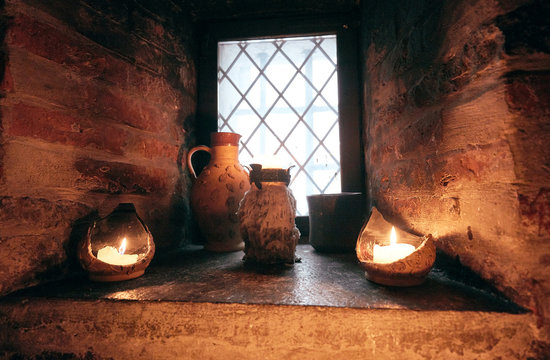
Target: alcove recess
(99,106)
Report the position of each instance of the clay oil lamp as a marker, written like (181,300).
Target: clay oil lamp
(392,256)
(117,247)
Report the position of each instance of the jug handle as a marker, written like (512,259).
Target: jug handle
(190,154)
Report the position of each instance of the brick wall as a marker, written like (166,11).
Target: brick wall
(456,99)
(98,99)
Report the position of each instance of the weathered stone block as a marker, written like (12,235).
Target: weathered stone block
(22,120)
(152,148)
(450,171)
(38,172)
(535,212)
(62,128)
(35,237)
(478,52)
(528,94)
(476,116)
(30,259)
(175,330)
(118,37)
(411,140)
(122,178)
(37,216)
(476,174)
(135,112)
(87,59)
(60,86)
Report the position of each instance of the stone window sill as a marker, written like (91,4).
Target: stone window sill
(334,280)
(191,304)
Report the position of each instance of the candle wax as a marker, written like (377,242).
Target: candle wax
(391,253)
(111,256)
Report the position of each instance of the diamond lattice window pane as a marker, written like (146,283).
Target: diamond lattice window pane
(323,121)
(243,74)
(276,72)
(297,94)
(321,166)
(301,143)
(262,96)
(301,184)
(281,120)
(260,51)
(330,93)
(281,95)
(244,121)
(321,69)
(227,55)
(298,50)
(229,99)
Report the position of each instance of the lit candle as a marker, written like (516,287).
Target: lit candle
(392,252)
(113,256)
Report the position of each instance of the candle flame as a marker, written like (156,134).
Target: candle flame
(393,236)
(122,247)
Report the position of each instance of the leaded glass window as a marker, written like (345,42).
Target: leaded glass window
(281,95)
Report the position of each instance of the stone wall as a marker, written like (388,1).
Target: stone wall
(456,112)
(98,99)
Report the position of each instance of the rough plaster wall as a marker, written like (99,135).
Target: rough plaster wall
(457,111)
(97,98)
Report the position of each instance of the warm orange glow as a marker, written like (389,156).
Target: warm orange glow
(393,236)
(122,247)
(393,252)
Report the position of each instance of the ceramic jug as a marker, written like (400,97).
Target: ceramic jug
(217,191)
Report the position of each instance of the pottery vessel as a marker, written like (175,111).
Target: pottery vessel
(217,191)
(408,271)
(335,221)
(122,222)
(266,216)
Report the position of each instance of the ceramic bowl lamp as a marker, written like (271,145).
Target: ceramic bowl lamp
(117,247)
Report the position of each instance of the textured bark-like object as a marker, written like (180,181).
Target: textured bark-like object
(409,271)
(267,224)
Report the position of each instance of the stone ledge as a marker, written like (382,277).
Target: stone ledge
(107,329)
(337,280)
(194,304)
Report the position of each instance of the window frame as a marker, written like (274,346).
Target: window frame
(345,27)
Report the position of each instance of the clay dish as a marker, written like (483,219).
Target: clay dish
(104,272)
(409,271)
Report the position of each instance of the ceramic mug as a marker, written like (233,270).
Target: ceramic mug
(335,221)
